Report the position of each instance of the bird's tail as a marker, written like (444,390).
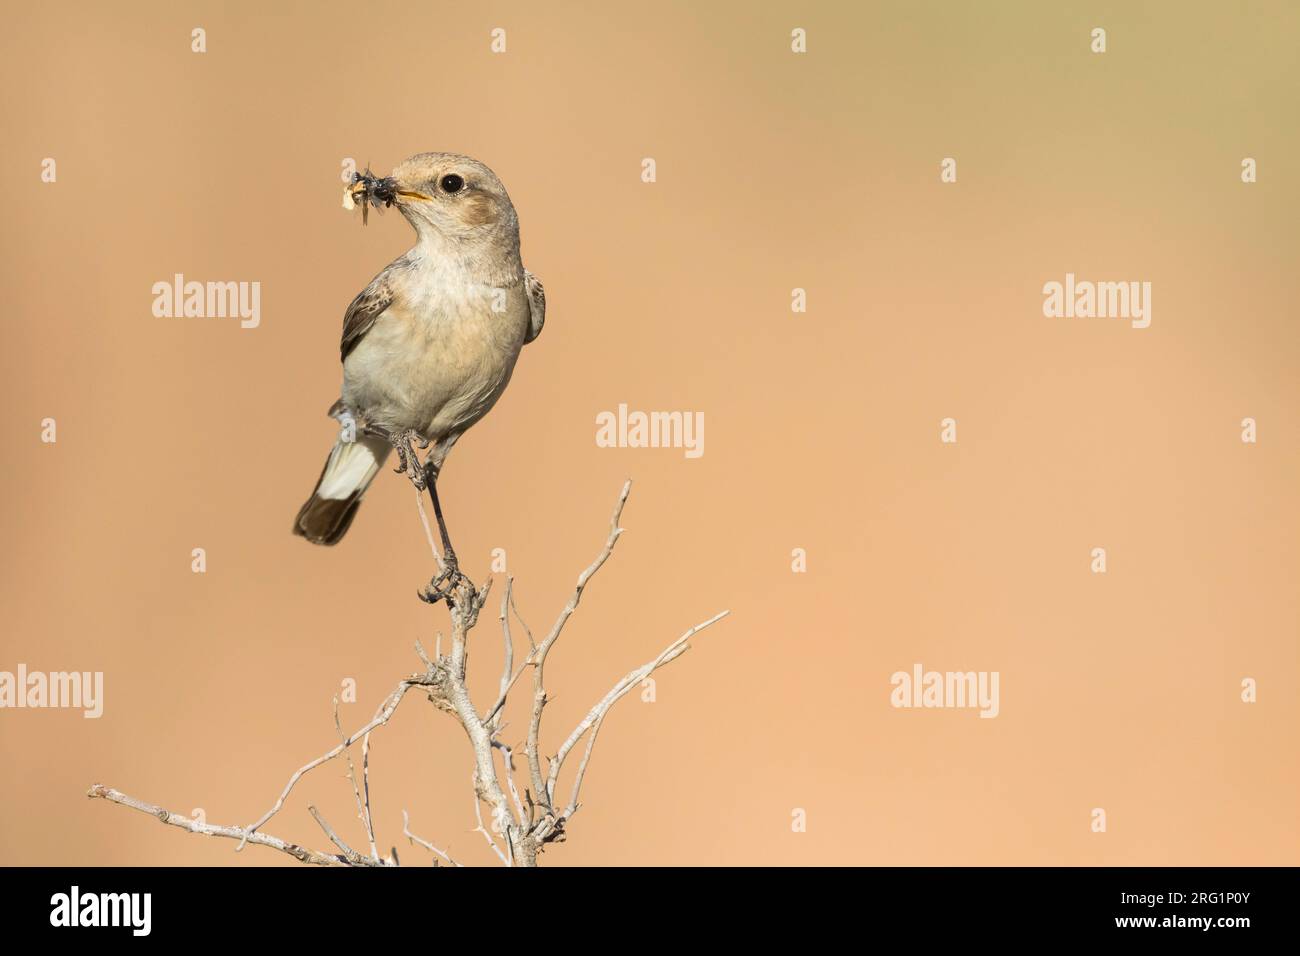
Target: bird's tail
(348,471)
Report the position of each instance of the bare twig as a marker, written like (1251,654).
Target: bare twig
(572,808)
(508,761)
(501,699)
(382,718)
(424,656)
(597,713)
(365,787)
(349,854)
(508,656)
(529,821)
(300,853)
(478,815)
(406,831)
(539,689)
(522,623)
(363,803)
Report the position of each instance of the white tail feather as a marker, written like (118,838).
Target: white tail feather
(351,467)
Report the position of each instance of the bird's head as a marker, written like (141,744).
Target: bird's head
(450,200)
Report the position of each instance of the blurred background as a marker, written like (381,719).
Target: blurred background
(775,171)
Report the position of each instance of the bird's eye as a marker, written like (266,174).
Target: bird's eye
(451,183)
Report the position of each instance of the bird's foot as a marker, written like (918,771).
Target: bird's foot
(408,460)
(446,585)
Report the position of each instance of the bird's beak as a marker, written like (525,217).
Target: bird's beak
(368,190)
(401,195)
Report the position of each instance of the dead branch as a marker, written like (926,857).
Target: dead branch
(524,824)
(302,854)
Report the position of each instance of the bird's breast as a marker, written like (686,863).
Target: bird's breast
(437,362)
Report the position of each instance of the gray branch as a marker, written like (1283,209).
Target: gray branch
(525,824)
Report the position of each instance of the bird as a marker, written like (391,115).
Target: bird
(429,345)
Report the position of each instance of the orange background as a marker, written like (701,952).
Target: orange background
(775,171)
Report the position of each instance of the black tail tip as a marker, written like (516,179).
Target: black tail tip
(326,520)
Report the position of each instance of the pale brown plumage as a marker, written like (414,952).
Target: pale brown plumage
(430,344)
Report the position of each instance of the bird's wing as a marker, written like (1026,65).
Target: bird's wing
(536,306)
(369,304)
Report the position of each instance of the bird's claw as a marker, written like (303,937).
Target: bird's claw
(446,584)
(408,460)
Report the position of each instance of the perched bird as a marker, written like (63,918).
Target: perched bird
(430,344)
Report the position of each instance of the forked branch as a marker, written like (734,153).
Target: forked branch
(519,825)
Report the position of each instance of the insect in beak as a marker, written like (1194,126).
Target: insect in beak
(367,189)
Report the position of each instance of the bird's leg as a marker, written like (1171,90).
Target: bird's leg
(424,475)
(431,482)
(404,443)
(445,585)
(408,462)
